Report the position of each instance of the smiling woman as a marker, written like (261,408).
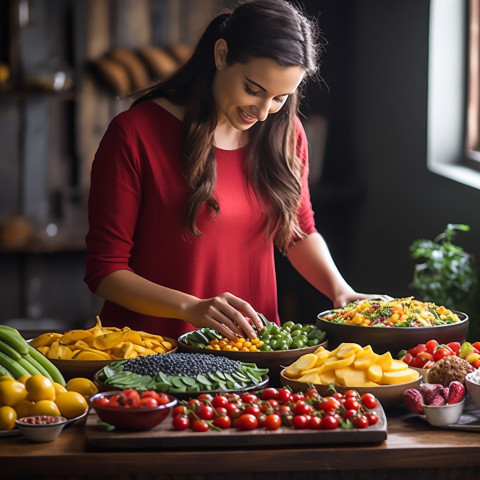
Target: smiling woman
(207,172)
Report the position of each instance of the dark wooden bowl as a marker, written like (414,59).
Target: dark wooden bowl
(392,339)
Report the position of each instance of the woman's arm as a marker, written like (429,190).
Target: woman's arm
(221,313)
(312,259)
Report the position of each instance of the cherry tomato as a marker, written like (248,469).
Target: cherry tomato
(329,422)
(102,401)
(180,422)
(273,403)
(328,403)
(351,403)
(272,421)
(351,393)
(223,422)
(269,393)
(179,410)
(299,421)
(297,396)
(421,347)
(221,411)
(200,426)
(312,393)
(284,395)
(246,421)
(455,346)
(476,364)
(205,412)
(315,423)
(219,401)
(148,402)
(194,402)
(249,398)
(369,400)
(253,410)
(162,399)
(442,353)
(129,398)
(372,418)
(205,397)
(349,414)
(407,358)
(232,409)
(431,346)
(153,394)
(284,410)
(360,421)
(476,345)
(302,408)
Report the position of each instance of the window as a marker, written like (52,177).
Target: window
(473,95)
(453,146)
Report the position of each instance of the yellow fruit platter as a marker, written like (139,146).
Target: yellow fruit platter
(352,366)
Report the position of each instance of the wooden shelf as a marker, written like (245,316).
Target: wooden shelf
(46,246)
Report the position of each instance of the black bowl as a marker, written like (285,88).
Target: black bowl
(392,339)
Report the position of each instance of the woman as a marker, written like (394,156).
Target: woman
(195,184)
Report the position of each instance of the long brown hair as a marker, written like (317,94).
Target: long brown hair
(275,30)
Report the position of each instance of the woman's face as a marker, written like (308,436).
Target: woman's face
(246,93)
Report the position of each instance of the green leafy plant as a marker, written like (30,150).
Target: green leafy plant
(445,273)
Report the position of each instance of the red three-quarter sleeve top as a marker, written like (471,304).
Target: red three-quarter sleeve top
(136,211)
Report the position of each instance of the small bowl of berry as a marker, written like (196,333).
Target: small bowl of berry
(41,428)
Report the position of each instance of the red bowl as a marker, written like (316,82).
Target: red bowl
(124,418)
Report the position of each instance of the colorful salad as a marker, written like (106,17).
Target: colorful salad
(399,312)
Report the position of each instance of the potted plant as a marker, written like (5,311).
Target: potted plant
(445,273)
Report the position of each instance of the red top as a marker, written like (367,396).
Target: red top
(136,206)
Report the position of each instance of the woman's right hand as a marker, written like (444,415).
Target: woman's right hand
(225,313)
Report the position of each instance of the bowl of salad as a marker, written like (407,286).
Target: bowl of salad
(392,325)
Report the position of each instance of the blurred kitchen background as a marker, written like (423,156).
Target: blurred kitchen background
(379,126)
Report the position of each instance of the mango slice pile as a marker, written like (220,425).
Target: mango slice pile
(100,343)
(350,365)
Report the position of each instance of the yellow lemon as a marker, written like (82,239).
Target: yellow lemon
(71,404)
(45,407)
(81,385)
(5,377)
(23,408)
(23,378)
(58,388)
(12,392)
(7,418)
(39,388)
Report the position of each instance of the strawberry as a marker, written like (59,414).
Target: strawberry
(456,392)
(437,400)
(432,394)
(413,400)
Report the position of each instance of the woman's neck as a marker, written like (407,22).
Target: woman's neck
(228,138)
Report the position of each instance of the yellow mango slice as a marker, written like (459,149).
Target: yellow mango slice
(72,336)
(397,366)
(347,349)
(332,363)
(358,378)
(375,373)
(90,355)
(365,361)
(385,361)
(328,377)
(367,350)
(315,369)
(401,376)
(310,378)
(341,373)
(305,362)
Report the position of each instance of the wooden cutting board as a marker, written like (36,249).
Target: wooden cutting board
(164,437)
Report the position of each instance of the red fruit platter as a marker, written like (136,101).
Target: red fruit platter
(164,436)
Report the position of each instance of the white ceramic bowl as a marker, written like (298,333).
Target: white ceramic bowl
(41,432)
(443,415)
(473,387)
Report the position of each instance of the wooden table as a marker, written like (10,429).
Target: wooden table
(413,450)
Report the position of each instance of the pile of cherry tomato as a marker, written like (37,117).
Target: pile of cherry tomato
(424,355)
(271,408)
